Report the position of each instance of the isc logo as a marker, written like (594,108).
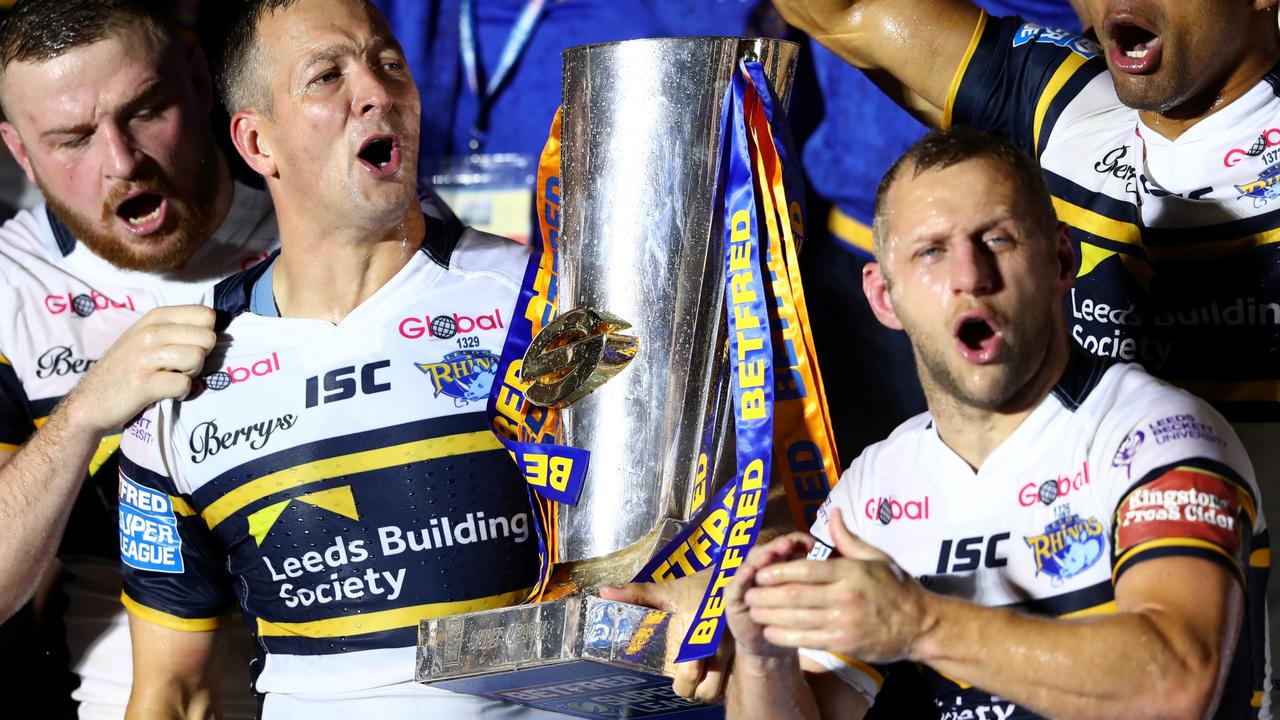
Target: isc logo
(341,384)
(971,552)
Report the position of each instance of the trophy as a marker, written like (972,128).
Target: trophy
(640,255)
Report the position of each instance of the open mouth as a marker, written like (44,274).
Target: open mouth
(381,154)
(977,338)
(143,212)
(1135,47)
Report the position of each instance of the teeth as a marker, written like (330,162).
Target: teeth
(145,218)
(1136,53)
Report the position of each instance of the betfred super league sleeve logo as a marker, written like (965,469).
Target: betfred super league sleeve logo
(464,375)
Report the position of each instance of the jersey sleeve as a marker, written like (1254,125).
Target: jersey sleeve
(1182,485)
(864,678)
(16,423)
(174,571)
(1017,76)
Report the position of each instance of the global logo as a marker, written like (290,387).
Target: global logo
(85,304)
(1269,138)
(449,324)
(1069,546)
(464,375)
(230,375)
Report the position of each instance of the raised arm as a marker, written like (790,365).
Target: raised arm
(910,48)
(156,358)
(170,672)
(1163,653)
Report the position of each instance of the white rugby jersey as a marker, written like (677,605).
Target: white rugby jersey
(340,482)
(61,307)
(1178,240)
(1111,469)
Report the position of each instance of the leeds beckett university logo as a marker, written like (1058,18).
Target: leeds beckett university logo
(449,324)
(231,374)
(464,375)
(1069,546)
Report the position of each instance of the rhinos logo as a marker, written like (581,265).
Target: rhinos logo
(1263,190)
(464,375)
(1069,546)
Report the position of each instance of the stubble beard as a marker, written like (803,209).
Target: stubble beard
(192,215)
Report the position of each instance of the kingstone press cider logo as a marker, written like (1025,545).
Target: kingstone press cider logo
(464,375)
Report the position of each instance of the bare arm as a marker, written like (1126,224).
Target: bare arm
(155,359)
(1164,653)
(770,681)
(910,48)
(170,679)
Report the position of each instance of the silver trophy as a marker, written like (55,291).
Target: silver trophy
(640,168)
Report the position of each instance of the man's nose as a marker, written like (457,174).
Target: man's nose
(371,92)
(973,269)
(122,157)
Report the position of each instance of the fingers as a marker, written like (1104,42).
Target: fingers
(705,680)
(194,315)
(800,618)
(850,545)
(647,594)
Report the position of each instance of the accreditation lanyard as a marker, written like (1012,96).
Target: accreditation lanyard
(517,43)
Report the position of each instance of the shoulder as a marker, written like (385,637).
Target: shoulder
(890,460)
(29,237)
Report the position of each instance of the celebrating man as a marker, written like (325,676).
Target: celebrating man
(1058,536)
(336,475)
(107,113)
(1161,148)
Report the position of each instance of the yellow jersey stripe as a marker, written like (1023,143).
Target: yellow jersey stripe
(960,71)
(164,619)
(9,447)
(862,667)
(1097,224)
(1256,701)
(1168,542)
(386,619)
(1260,558)
(1060,77)
(182,507)
(1194,252)
(365,461)
(4,360)
(850,231)
(40,421)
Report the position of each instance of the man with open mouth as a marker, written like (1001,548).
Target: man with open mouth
(107,112)
(1160,143)
(325,477)
(1060,535)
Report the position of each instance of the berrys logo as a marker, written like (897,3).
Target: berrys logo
(886,510)
(450,324)
(1047,492)
(207,439)
(464,375)
(85,304)
(1268,139)
(232,374)
(59,361)
(1069,546)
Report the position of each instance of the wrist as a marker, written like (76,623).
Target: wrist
(927,643)
(73,416)
(754,664)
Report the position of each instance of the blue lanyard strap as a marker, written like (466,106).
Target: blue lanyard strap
(516,44)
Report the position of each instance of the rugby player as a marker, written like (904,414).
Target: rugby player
(1058,536)
(336,473)
(107,113)
(1161,148)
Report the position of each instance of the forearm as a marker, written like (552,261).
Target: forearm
(1124,665)
(769,689)
(38,487)
(169,701)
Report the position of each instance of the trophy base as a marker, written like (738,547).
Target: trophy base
(581,655)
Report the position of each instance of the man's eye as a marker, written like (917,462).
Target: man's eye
(929,252)
(325,77)
(997,240)
(76,142)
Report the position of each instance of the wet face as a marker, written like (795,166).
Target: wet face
(1167,54)
(342,132)
(116,136)
(973,280)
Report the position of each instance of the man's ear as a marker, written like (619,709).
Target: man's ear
(877,291)
(247,135)
(1064,256)
(13,141)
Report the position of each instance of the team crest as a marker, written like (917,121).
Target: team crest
(1263,190)
(1069,546)
(464,375)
